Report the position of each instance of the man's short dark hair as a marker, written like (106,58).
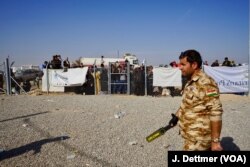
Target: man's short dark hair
(192,56)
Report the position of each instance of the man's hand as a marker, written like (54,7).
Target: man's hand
(216,146)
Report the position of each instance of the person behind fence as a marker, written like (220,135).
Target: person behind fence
(226,62)
(200,113)
(104,79)
(139,81)
(233,63)
(1,82)
(115,78)
(56,62)
(66,63)
(132,83)
(150,80)
(215,63)
(44,65)
(88,86)
(172,88)
(97,76)
(122,84)
(26,86)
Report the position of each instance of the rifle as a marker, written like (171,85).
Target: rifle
(162,130)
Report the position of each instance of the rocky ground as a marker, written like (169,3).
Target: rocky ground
(103,130)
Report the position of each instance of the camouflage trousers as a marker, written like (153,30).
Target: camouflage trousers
(196,145)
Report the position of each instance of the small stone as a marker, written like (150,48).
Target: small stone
(25,125)
(132,143)
(119,115)
(166,146)
(71,156)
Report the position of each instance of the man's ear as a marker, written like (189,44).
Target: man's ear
(194,65)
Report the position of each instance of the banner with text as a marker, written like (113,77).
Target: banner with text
(229,79)
(166,77)
(72,77)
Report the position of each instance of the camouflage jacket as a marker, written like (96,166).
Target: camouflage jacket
(200,105)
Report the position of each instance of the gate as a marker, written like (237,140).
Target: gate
(119,78)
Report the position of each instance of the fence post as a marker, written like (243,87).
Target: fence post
(109,78)
(7,75)
(248,69)
(95,77)
(145,70)
(47,77)
(128,78)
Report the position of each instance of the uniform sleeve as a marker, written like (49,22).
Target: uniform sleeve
(178,112)
(213,103)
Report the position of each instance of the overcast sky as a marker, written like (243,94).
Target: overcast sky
(31,31)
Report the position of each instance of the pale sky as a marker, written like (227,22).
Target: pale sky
(31,31)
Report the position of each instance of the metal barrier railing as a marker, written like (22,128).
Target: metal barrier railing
(114,83)
(7,79)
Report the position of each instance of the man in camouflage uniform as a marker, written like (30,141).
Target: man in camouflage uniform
(200,113)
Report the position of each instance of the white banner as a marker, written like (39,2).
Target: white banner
(229,79)
(72,77)
(166,77)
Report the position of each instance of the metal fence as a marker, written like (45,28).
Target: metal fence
(7,80)
(118,80)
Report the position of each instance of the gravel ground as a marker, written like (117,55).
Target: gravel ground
(77,130)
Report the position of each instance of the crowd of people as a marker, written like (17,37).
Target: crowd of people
(216,63)
(97,78)
(226,62)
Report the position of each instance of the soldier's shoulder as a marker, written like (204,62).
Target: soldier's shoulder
(206,79)
(209,85)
